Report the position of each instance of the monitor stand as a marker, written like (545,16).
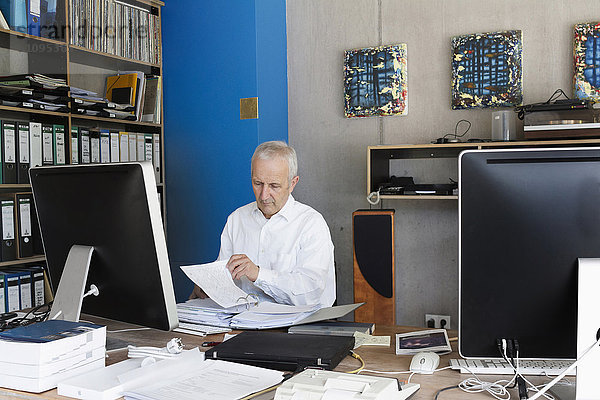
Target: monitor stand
(69,295)
(588,298)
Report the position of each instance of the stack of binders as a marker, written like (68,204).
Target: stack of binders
(36,357)
(21,288)
(34,91)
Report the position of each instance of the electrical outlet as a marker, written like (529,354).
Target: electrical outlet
(437,321)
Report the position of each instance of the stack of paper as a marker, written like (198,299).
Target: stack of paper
(206,312)
(271,315)
(190,378)
(36,357)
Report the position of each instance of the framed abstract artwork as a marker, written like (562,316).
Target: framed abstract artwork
(375,81)
(486,70)
(586,54)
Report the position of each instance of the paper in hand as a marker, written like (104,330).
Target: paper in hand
(216,281)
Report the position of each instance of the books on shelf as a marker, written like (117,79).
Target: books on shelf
(36,357)
(114,27)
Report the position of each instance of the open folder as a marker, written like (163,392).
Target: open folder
(263,315)
(230,306)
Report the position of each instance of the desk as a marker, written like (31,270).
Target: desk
(375,357)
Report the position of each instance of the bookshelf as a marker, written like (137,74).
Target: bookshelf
(87,41)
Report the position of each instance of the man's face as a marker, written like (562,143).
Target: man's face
(270,185)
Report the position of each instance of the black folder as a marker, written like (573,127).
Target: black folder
(24,204)
(8,249)
(9,155)
(23,157)
(283,351)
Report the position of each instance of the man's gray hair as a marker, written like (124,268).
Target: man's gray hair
(278,149)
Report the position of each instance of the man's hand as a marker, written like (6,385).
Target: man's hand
(240,265)
(198,293)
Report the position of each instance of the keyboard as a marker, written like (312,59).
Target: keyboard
(200,330)
(501,367)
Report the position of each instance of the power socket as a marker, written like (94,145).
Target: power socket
(437,321)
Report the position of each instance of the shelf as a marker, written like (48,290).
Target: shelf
(114,120)
(33,111)
(104,58)
(417,197)
(381,157)
(22,261)
(32,37)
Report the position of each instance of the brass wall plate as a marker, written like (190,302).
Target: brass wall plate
(249,108)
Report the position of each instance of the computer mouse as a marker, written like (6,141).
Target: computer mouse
(424,362)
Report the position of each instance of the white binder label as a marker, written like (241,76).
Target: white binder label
(47,143)
(35,130)
(24,146)
(34,7)
(114,147)
(25,287)
(141,156)
(8,221)
(38,285)
(74,151)
(104,148)
(124,146)
(132,147)
(60,149)
(13,293)
(25,218)
(85,149)
(95,149)
(10,154)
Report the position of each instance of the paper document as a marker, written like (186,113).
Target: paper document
(210,380)
(216,281)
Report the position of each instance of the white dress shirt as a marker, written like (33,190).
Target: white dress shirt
(293,250)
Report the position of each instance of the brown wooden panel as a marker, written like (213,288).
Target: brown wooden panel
(378,309)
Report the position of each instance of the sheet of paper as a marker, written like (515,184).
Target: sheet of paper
(213,380)
(216,281)
(363,339)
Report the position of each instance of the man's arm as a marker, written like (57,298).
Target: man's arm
(305,282)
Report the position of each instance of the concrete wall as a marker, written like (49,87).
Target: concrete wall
(332,149)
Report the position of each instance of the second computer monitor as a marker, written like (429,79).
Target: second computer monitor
(525,217)
(115,209)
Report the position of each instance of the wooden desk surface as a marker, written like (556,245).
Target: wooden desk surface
(378,358)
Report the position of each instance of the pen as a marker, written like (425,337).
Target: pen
(210,344)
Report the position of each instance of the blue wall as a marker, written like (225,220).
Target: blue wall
(214,53)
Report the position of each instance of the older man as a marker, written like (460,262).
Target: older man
(278,248)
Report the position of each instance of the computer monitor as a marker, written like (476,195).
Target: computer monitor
(525,217)
(115,209)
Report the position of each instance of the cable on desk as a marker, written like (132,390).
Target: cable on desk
(269,389)
(443,390)
(362,363)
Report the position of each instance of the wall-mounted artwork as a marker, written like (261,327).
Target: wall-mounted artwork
(486,70)
(586,53)
(375,81)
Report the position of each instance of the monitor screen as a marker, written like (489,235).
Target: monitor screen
(115,209)
(525,217)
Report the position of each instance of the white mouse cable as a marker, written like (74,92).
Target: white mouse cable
(497,389)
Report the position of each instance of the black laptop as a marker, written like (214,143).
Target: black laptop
(283,351)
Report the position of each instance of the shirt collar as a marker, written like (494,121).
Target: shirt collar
(286,211)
